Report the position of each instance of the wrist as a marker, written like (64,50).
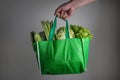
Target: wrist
(79,3)
(75,3)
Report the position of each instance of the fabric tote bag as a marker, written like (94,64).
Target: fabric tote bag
(67,56)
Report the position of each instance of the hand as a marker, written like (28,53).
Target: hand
(66,10)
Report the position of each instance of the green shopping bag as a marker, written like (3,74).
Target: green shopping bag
(67,56)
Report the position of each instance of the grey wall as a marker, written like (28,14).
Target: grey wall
(19,17)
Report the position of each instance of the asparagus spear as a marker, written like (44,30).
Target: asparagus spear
(45,28)
(48,25)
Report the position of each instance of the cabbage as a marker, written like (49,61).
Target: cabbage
(60,34)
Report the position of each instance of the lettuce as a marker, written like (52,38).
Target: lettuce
(81,32)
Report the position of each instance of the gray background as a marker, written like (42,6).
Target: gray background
(19,17)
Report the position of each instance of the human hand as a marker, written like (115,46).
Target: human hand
(65,10)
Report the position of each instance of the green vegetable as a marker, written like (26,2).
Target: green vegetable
(37,37)
(75,28)
(72,34)
(60,34)
(81,32)
(46,25)
(74,31)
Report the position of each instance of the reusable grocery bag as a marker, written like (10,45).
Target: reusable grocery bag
(67,56)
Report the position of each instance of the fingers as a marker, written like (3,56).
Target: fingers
(64,14)
(61,14)
(68,14)
(57,12)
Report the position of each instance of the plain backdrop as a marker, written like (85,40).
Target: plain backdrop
(19,17)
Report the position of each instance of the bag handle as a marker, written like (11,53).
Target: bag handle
(52,31)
